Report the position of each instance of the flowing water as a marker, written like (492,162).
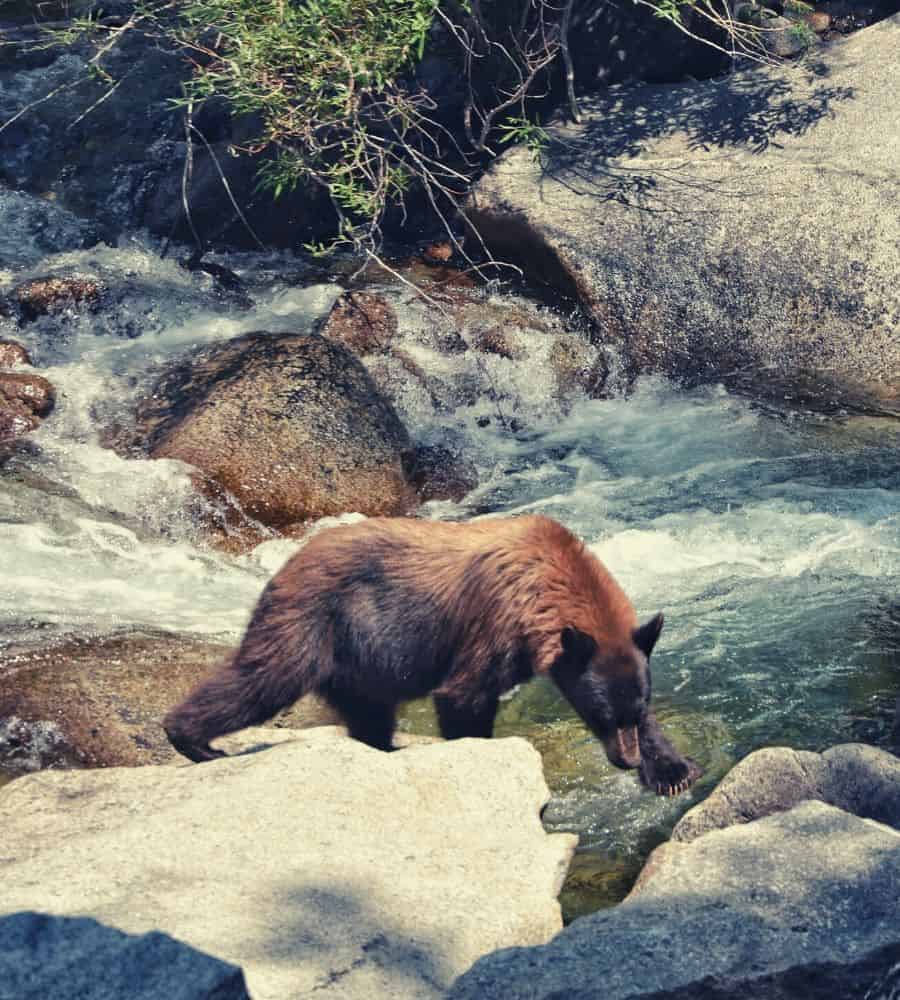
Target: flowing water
(770,539)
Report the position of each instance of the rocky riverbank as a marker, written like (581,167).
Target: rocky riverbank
(733,230)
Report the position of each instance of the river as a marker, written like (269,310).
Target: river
(770,538)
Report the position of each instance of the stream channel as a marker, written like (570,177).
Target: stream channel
(770,538)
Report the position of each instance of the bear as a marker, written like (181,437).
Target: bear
(386,610)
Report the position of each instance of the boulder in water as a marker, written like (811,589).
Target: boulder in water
(25,399)
(795,905)
(363,322)
(854,777)
(13,354)
(736,230)
(98,702)
(47,295)
(290,425)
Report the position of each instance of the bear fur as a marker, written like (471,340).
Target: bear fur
(379,612)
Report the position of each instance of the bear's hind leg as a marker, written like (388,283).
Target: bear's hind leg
(458,721)
(233,698)
(368,721)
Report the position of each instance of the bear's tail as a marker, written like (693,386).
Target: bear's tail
(233,698)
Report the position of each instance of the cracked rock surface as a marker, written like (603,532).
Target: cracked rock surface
(317,865)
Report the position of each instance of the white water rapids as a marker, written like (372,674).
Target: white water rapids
(771,540)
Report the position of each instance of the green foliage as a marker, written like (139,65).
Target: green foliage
(522,131)
(325,87)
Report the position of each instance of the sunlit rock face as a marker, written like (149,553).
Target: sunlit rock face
(318,865)
(797,904)
(734,230)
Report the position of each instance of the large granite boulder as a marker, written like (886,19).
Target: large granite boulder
(766,890)
(76,958)
(290,425)
(739,230)
(801,905)
(319,866)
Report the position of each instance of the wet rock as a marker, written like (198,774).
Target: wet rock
(25,399)
(13,354)
(77,958)
(671,216)
(42,296)
(854,777)
(363,322)
(290,425)
(122,164)
(98,702)
(500,342)
(439,473)
(578,365)
(795,906)
(376,875)
(32,227)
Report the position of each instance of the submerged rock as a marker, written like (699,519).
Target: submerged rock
(319,865)
(734,230)
(98,702)
(25,399)
(291,425)
(77,958)
(796,906)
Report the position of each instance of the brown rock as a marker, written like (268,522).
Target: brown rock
(577,365)
(818,20)
(291,425)
(499,342)
(441,474)
(41,296)
(98,702)
(362,321)
(24,400)
(437,253)
(13,354)
(33,394)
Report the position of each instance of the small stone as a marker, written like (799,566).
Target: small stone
(43,296)
(499,342)
(363,322)
(439,473)
(437,253)
(26,393)
(818,21)
(13,354)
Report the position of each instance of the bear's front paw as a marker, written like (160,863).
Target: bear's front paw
(669,776)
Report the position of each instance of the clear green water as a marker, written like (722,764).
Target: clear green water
(772,543)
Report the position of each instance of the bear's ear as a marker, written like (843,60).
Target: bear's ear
(645,637)
(578,647)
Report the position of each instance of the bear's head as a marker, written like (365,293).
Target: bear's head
(608,684)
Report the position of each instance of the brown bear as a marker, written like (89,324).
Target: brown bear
(389,609)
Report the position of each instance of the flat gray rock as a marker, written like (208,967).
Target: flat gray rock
(76,958)
(802,905)
(317,865)
(740,230)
